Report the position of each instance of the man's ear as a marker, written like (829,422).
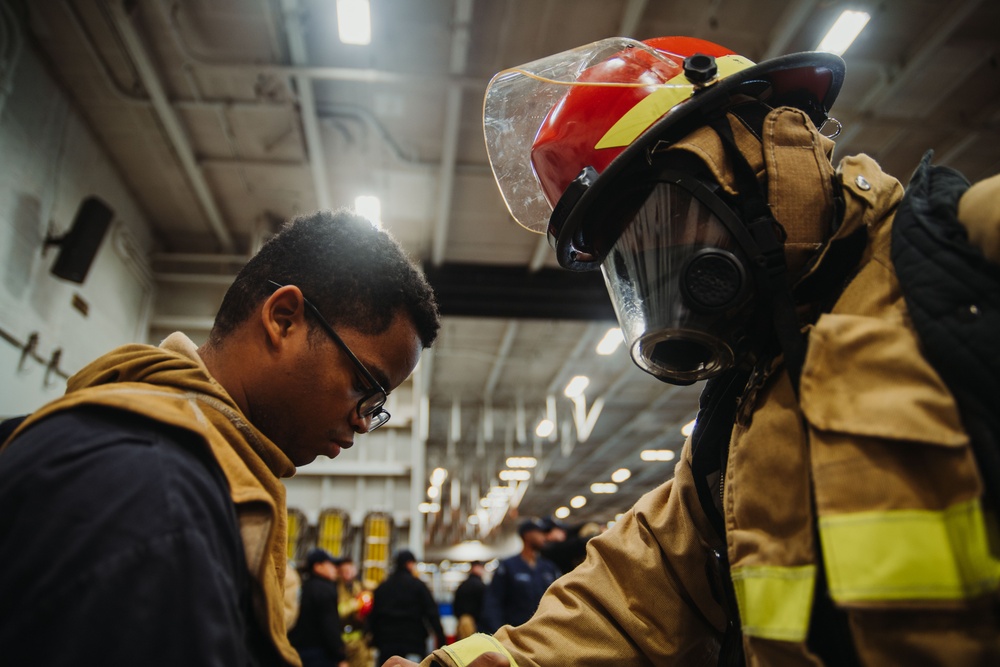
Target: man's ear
(283,314)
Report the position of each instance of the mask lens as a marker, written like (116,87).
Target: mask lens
(679,286)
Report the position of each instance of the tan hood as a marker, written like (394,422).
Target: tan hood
(176,364)
(795,159)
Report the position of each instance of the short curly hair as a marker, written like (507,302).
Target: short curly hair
(356,274)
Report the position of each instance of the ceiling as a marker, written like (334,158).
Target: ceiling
(226,117)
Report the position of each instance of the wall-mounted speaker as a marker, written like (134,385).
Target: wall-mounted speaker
(78,247)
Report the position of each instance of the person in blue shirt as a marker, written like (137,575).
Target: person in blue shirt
(519,581)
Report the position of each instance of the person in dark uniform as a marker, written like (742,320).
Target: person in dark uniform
(520,581)
(317,633)
(468,605)
(402,612)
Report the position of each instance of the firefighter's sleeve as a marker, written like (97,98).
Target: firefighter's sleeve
(648,593)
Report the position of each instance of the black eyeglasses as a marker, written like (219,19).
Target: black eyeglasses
(370,406)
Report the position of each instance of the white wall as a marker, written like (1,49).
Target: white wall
(50,162)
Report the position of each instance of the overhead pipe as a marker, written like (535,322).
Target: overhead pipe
(307,104)
(171,123)
(453,110)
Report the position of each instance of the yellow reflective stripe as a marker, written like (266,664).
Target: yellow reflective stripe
(638,119)
(775,602)
(466,650)
(909,554)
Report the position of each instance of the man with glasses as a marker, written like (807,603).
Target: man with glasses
(151,491)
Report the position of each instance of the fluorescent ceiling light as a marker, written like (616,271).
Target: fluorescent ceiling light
(354,22)
(370,207)
(657,455)
(577,502)
(621,475)
(603,487)
(688,429)
(561,513)
(522,462)
(545,428)
(515,475)
(844,31)
(612,339)
(576,386)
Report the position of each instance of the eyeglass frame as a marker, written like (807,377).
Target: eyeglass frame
(375,388)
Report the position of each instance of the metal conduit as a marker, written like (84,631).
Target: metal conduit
(171,123)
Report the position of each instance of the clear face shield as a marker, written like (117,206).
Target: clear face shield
(519,99)
(679,282)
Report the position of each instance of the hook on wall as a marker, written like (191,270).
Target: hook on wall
(28,350)
(53,366)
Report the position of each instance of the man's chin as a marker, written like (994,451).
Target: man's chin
(331,452)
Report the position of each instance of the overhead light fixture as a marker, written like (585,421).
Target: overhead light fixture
(522,462)
(545,428)
(514,475)
(688,428)
(370,207)
(844,31)
(603,487)
(621,475)
(354,22)
(577,502)
(433,492)
(612,339)
(428,508)
(438,476)
(657,455)
(561,513)
(576,386)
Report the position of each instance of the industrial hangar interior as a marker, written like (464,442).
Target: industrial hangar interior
(204,124)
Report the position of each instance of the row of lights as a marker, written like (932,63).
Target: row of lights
(622,475)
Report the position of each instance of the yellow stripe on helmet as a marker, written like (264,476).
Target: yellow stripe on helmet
(651,108)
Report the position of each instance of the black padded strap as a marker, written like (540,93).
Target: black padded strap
(767,256)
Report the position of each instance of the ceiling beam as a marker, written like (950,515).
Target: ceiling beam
(476,290)
(461,19)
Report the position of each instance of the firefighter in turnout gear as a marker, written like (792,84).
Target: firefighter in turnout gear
(830,507)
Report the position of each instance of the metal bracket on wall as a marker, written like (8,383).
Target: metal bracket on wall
(29,350)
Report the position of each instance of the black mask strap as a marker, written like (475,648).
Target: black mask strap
(766,254)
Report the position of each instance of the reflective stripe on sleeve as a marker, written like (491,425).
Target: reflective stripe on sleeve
(466,650)
(909,554)
(775,602)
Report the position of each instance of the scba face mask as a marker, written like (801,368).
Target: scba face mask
(679,281)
